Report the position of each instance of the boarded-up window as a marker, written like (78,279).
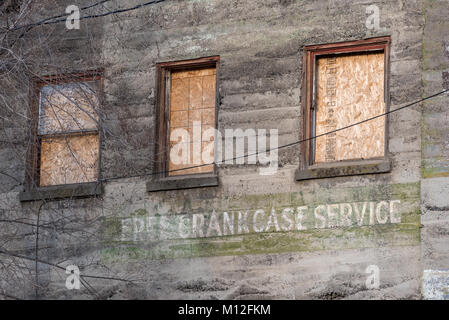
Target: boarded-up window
(350,89)
(68,133)
(192,120)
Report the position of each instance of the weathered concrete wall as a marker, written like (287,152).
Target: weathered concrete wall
(320,251)
(435,154)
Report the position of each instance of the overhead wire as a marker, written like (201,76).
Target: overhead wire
(63,17)
(57,19)
(286,145)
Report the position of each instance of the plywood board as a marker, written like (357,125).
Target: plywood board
(350,89)
(67,160)
(68,108)
(192,103)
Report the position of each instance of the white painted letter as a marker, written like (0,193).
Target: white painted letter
(379,213)
(197,225)
(213,225)
(182,226)
(272,221)
(242,223)
(320,217)
(345,215)
(371,213)
(299,217)
(286,217)
(393,217)
(256,214)
(332,219)
(359,216)
(228,224)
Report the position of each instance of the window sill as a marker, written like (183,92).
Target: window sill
(344,168)
(182,182)
(63,191)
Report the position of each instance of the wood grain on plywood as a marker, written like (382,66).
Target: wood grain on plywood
(192,108)
(350,89)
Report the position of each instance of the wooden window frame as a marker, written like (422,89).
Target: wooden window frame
(32,188)
(162,180)
(307,169)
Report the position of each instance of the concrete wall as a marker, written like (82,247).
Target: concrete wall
(323,253)
(435,154)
